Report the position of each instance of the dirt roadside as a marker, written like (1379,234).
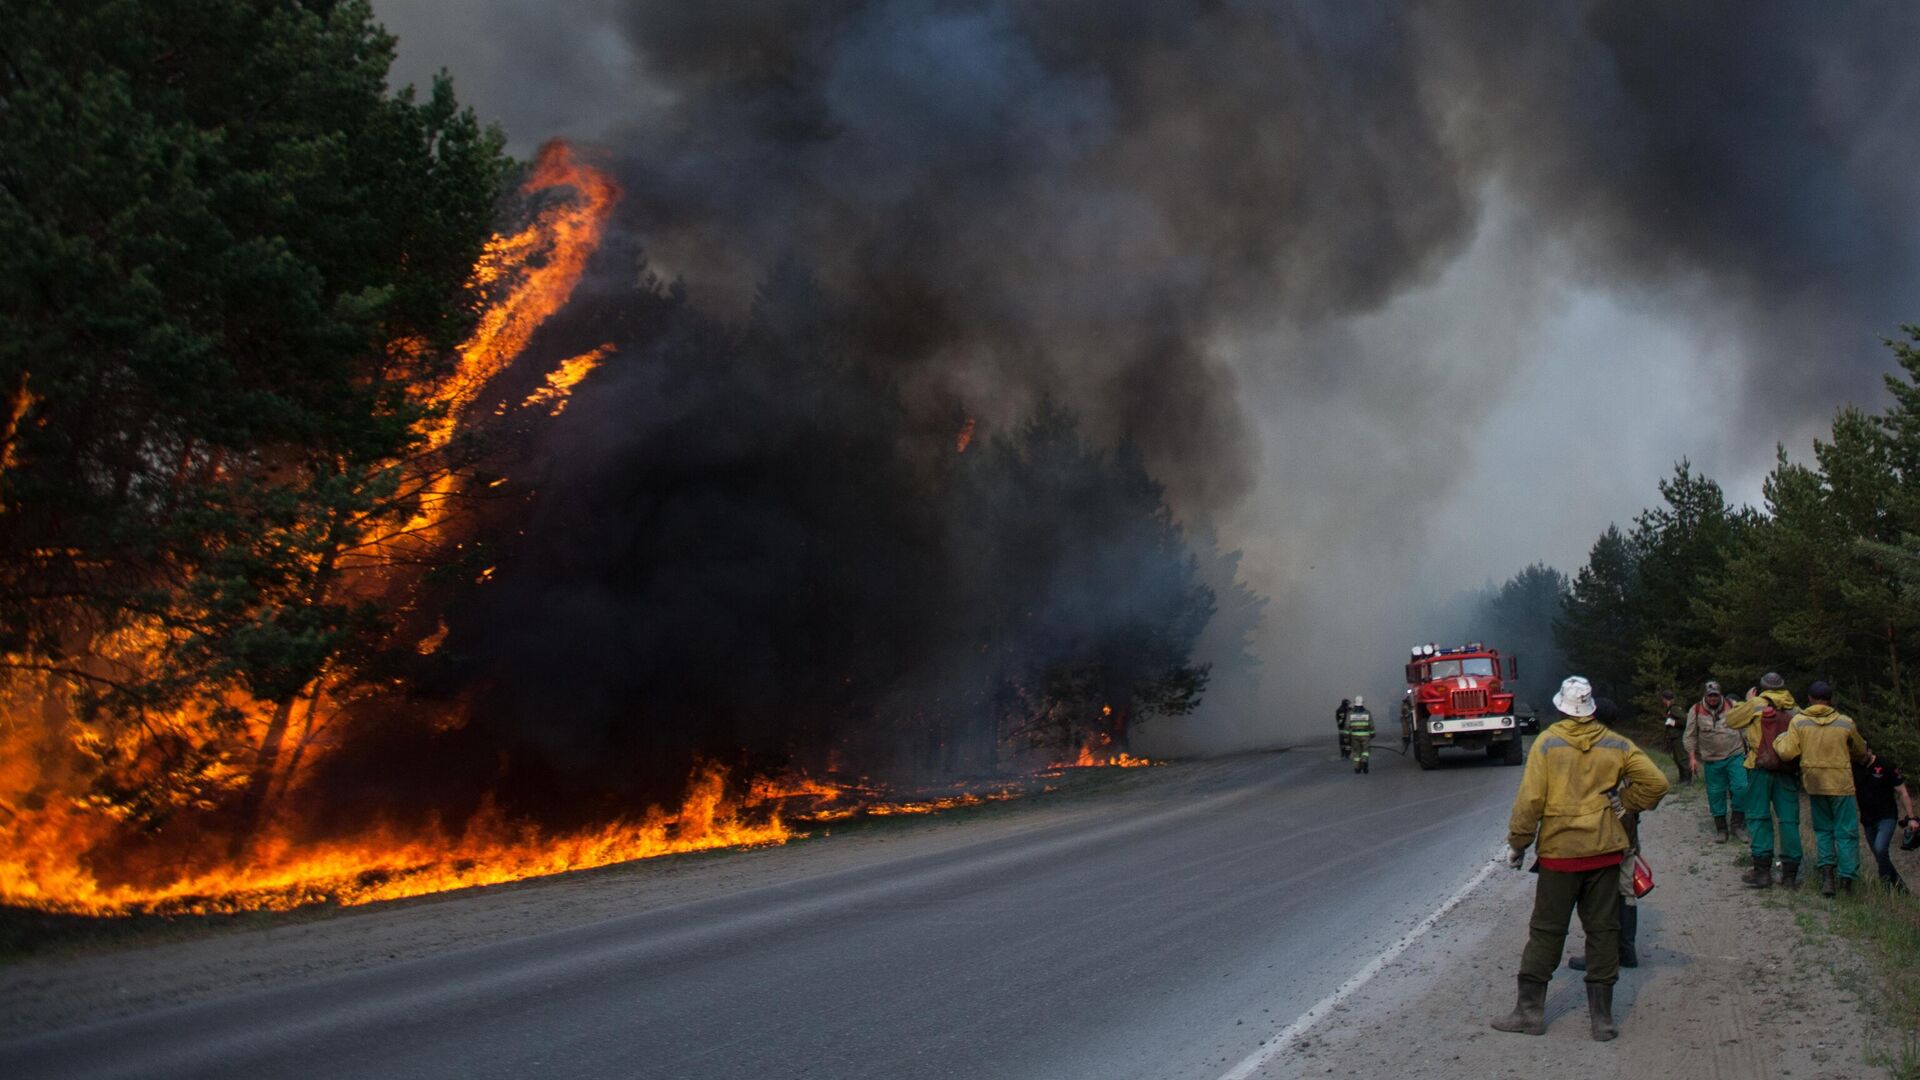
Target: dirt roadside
(1730,985)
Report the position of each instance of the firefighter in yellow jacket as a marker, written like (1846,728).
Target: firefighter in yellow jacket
(1826,743)
(1771,795)
(1563,809)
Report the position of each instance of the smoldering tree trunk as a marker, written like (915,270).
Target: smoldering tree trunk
(12,411)
(253,803)
(307,733)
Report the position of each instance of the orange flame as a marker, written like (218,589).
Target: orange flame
(965,438)
(390,865)
(1089,759)
(9,435)
(540,265)
(387,866)
(45,853)
(548,257)
(562,380)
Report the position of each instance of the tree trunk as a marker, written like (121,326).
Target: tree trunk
(1893,662)
(14,409)
(253,803)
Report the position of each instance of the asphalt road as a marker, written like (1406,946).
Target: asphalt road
(1166,939)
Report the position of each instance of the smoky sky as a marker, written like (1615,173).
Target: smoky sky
(1398,295)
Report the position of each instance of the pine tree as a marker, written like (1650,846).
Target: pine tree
(233,254)
(1598,626)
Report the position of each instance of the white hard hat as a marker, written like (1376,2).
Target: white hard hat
(1575,697)
(1359,702)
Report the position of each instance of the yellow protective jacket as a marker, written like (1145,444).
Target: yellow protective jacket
(1827,744)
(1744,717)
(1562,804)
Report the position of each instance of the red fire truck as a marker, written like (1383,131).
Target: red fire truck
(1456,697)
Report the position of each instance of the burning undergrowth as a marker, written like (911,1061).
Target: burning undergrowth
(656,582)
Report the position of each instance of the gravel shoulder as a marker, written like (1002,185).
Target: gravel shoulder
(1731,985)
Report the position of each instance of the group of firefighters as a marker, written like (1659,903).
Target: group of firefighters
(1586,785)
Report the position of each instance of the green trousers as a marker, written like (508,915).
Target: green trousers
(1596,894)
(1725,777)
(1360,744)
(1778,793)
(1836,832)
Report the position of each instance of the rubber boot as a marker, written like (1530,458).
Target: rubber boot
(1529,1013)
(1789,873)
(1600,1012)
(1740,827)
(1720,828)
(1629,929)
(1761,875)
(1846,886)
(1826,881)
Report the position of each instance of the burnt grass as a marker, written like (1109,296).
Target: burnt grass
(31,934)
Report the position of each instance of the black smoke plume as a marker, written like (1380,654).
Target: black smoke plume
(1176,217)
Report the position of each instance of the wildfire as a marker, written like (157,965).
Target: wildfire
(16,415)
(390,865)
(1091,759)
(562,380)
(385,866)
(56,842)
(538,267)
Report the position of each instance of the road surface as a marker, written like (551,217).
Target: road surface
(1167,935)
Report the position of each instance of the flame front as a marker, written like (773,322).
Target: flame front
(52,831)
(56,842)
(538,267)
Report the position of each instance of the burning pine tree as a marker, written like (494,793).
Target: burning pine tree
(350,550)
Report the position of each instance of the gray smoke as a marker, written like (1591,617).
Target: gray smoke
(1400,296)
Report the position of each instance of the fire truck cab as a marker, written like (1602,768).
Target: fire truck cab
(1457,697)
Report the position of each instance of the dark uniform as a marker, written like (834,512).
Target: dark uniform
(1360,736)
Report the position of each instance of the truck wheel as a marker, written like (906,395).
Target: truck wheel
(1425,753)
(1516,753)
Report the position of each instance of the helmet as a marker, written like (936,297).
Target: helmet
(1358,701)
(1346,701)
(1910,838)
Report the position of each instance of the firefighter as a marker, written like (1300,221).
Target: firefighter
(1360,733)
(1773,796)
(1718,753)
(1562,810)
(1604,712)
(1675,720)
(1827,745)
(1340,724)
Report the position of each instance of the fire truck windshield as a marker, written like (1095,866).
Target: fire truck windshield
(1480,666)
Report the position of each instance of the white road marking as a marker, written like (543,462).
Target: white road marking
(1360,978)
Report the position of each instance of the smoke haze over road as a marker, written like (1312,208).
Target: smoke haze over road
(1398,296)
